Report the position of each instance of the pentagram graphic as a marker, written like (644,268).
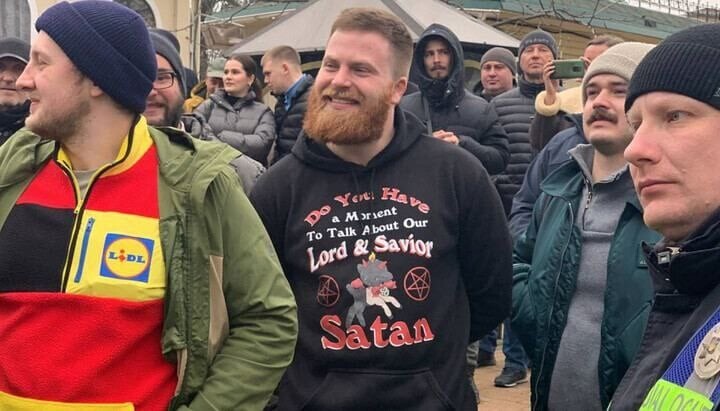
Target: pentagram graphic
(417,283)
(328,291)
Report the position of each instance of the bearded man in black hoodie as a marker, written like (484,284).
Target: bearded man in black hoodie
(450,112)
(395,243)
(14,105)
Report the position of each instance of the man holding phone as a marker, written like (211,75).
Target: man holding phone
(553,106)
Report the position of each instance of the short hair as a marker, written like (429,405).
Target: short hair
(605,40)
(386,25)
(282,53)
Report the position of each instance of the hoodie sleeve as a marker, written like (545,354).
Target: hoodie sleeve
(491,147)
(485,252)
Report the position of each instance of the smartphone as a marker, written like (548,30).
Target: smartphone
(568,69)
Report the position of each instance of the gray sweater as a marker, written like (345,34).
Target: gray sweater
(574,383)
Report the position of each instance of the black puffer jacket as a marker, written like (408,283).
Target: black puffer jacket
(12,120)
(450,108)
(289,123)
(516,109)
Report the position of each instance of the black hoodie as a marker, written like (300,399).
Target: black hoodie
(395,267)
(446,105)
(12,120)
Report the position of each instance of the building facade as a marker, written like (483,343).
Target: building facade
(17,19)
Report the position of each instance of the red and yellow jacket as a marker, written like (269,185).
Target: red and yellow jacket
(82,287)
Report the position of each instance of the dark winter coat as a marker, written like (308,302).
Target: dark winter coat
(12,120)
(551,157)
(516,109)
(447,105)
(289,123)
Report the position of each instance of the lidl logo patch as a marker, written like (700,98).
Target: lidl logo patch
(127,258)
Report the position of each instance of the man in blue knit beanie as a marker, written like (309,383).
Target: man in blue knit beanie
(134,273)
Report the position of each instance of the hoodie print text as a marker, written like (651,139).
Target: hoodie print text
(399,226)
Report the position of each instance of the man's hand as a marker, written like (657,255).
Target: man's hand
(551,85)
(448,136)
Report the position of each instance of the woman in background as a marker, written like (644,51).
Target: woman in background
(235,113)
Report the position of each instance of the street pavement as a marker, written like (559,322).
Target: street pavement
(493,398)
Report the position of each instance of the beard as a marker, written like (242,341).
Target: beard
(59,125)
(348,127)
(170,117)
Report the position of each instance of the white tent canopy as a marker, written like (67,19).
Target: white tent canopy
(307,29)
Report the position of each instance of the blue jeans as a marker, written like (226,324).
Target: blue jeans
(515,358)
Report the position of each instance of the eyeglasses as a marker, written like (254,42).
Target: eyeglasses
(164,80)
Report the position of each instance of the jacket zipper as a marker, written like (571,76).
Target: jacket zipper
(83,249)
(80,208)
(664,257)
(79,211)
(589,196)
(552,306)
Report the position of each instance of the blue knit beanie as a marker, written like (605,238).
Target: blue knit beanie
(108,43)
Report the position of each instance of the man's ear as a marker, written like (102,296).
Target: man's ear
(96,91)
(285,68)
(398,90)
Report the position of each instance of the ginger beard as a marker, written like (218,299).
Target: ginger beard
(346,127)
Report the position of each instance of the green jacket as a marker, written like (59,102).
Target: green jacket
(546,260)
(230,317)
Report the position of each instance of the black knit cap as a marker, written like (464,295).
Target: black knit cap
(685,63)
(538,36)
(108,43)
(166,49)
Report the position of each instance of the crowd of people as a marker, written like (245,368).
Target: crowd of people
(173,244)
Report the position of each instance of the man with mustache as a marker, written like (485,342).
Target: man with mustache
(164,108)
(580,294)
(450,112)
(14,105)
(395,243)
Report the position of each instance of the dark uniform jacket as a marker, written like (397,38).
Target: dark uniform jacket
(687,293)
